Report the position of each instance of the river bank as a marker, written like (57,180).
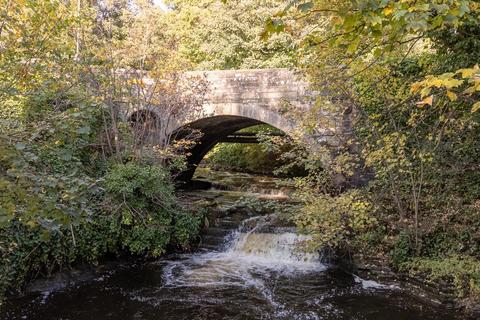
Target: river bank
(437,293)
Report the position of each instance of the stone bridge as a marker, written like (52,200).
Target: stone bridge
(238,99)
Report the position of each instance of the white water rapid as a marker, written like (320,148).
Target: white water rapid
(245,257)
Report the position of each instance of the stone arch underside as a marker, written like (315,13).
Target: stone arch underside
(213,129)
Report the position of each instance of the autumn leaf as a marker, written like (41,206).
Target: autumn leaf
(476,107)
(466,73)
(388,11)
(452,96)
(428,100)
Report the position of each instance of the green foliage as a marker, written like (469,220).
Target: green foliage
(334,220)
(150,218)
(242,157)
(140,185)
(49,200)
(403,250)
(36,46)
(264,157)
(45,165)
(187,227)
(418,151)
(140,217)
(228,36)
(29,252)
(69,220)
(463,271)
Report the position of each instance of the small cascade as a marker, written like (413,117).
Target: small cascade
(245,255)
(277,248)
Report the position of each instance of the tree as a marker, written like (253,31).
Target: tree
(213,35)
(406,73)
(67,156)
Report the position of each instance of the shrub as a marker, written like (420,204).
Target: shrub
(463,271)
(334,220)
(402,250)
(187,227)
(250,157)
(146,206)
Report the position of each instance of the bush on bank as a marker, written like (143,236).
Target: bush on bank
(65,201)
(150,218)
(139,226)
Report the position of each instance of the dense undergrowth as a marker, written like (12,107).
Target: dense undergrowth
(419,210)
(64,202)
(77,181)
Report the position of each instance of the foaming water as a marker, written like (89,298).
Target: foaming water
(245,257)
(249,261)
(274,251)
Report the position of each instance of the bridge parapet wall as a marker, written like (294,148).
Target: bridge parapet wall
(267,88)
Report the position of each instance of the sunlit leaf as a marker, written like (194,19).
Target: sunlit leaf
(476,107)
(452,96)
(427,101)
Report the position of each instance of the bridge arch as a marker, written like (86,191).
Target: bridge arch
(216,128)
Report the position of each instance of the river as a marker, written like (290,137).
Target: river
(244,268)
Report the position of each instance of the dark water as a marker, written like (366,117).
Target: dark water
(237,274)
(141,293)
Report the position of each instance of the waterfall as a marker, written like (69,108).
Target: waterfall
(245,256)
(272,249)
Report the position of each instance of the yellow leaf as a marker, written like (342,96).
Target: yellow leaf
(387,11)
(467,73)
(452,83)
(476,106)
(435,82)
(428,100)
(416,86)
(452,96)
